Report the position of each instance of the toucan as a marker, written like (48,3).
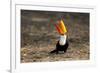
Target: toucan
(62,44)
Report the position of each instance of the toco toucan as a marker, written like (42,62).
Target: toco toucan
(62,43)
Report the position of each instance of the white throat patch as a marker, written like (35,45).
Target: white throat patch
(62,40)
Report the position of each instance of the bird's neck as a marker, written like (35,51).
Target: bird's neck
(62,40)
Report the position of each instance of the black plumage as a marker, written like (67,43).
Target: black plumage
(60,48)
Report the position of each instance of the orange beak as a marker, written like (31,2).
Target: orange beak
(59,30)
(61,27)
